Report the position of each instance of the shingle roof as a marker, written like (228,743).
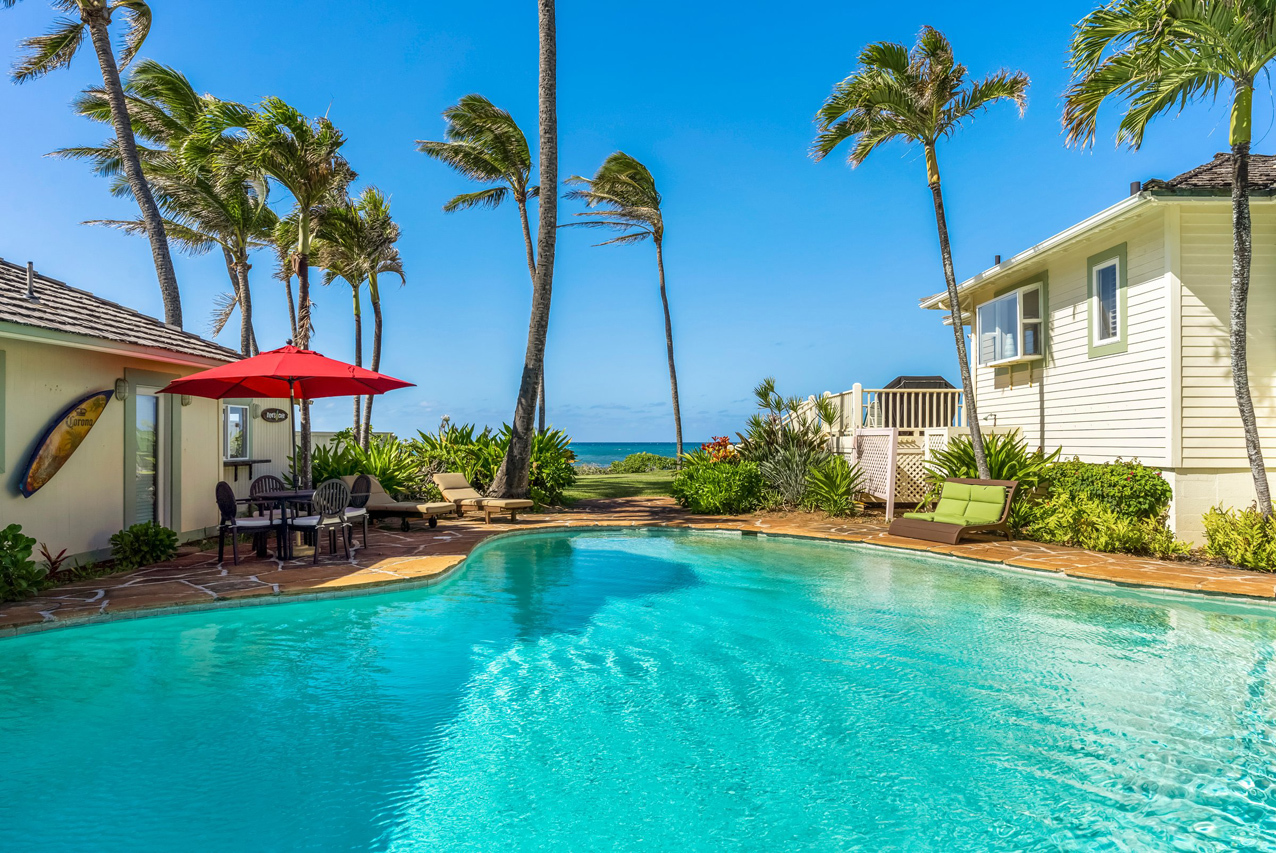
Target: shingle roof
(1216,176)
(63,308)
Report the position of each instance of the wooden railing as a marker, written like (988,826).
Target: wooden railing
(898,408)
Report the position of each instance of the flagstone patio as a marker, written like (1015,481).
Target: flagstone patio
(425,556)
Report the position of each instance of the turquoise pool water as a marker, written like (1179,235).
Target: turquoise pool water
(654,691)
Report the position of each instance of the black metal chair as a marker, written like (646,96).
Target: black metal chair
(357,511)
(265,483)
(329,504)
(234,525)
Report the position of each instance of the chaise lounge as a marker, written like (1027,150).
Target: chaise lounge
(964,507)
(381,505)
(457,489)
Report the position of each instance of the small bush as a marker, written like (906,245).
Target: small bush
(1127,488)
(20,577)
(478,455)
(1066,519)
(642,463)
(720,449)
(788,470)
(835,486)
(389,460)
(1243,538)
(143,545)
(720,488)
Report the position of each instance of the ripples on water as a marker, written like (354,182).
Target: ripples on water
(654,691)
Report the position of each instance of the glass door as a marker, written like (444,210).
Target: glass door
(150,476)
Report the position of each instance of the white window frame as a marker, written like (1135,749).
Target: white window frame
(1018,294)
(247,418)
(1096,312)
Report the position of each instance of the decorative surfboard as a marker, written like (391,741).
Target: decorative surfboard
(62,438)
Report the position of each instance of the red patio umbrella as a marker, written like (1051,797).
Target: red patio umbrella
(298,374)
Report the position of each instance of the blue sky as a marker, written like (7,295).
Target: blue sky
(776,265)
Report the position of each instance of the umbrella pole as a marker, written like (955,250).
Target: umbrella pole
(292,421)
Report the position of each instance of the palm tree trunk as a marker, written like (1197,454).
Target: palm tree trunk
(1242,248)
(358,360)
(303,338)
(374,296)
(531,269)
(97,21)
(246,338)
(673,373)
(292,307)
(959,334)
(512,479)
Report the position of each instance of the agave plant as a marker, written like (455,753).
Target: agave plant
(835,487)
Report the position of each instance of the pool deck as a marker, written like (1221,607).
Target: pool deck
(425,556)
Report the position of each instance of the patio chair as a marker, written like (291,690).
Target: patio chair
(965,506)
(379,503)
(458,490)
(265,483)
(329,503)
(231,523)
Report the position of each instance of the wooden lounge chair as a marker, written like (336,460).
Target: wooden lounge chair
(965,507)
(381,505)
(458,490)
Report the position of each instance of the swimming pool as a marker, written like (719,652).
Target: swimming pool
(654,690)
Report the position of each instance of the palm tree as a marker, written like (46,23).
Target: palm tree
(303,156)
(55,49)
(1157,57)
(626,192)
(357,245)
(205,205)
(513,477)
(485,144)
(921,96)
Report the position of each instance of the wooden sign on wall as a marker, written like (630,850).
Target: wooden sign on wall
(274,416)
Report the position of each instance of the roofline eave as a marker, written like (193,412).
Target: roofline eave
(39,334)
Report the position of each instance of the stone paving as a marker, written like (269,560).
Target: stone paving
(425,556)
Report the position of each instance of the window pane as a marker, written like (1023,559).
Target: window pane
(987,333)
(1105,290)
(1032,339)
(1032,304)
(146,484)
(1008,325)
(236,432)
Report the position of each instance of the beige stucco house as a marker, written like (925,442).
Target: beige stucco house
(149,456)
(1110,338)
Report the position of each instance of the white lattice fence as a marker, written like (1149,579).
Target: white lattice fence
(910,475)
(876,451)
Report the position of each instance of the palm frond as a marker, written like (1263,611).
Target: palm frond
(137,15)
(489,198)
(224,305)
(51,51)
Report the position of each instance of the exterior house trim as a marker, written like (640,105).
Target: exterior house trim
(18,331)
(1096,261)
(1174,313)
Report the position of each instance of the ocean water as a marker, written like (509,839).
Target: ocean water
(604,453)
(655,691)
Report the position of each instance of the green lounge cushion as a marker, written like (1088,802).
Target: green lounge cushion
(986,504)
(920,516)
(959,520)
(951,506)
(956,491)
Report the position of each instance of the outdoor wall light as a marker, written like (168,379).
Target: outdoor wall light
(121,389)
(187,399)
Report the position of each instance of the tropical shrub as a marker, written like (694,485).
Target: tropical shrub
(1068,519)
(641,463)
(143,544)
(20,577)
(719,488)
(387,458)
(787,439)
(1244,538)
(1127,488)
(478,455)
(787,470)
(1008,459)
(835,486)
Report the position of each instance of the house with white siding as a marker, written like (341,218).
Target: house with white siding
(1110,339)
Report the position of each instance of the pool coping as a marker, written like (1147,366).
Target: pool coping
(738,526)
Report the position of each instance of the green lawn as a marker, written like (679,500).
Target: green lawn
(597,486)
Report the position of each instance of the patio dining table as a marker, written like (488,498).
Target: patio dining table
(283,498)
